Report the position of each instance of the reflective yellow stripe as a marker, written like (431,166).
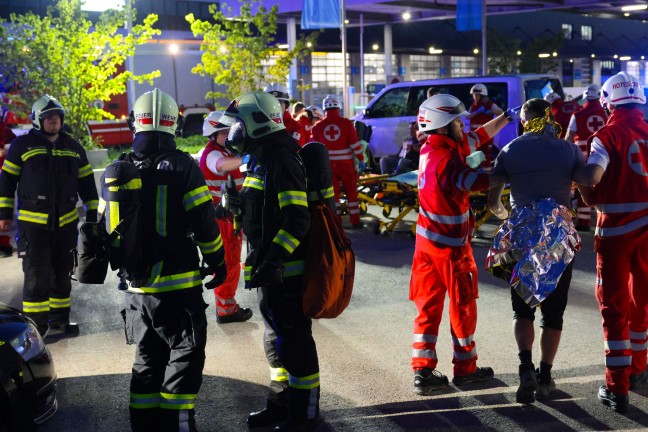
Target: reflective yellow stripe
(293,268)
(247,273)
(102,206)
(305,383)
(212,246)
(292,198)
(59,303)
(196,197)
(69,217)
(135,183)
(6,202)
(33,152)
(286,240)
(11,168)
(144,400)
(91,205)
(35,307)
(177,401)
(253,182)
(84,171)
(34,217)
(170,283)
(160,210)
(278,374)
(66,153)
(326,193)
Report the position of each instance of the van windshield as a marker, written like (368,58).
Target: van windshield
(539,88)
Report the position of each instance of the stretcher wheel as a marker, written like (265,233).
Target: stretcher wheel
(386,210)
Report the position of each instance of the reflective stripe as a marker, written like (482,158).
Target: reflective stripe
(36,307)
(33,152)
(621,207)
(638,335)
(169,283)
(6,202)
(292,198)
(424,353)
(346,151)
(247,273)
(34,217)
(616,345)
(447,220)
(293,268)
(465,355)
(144,400)
(196,197)
(623,229)
(639,346)
(91,205)
(618,361)
(326,193)
(59,303)
(177,401)
(357,148)
(84,171)
(253,182)
(286,240)
(304,383)
(68,218)
(161,198)
(464,342)
(278,374)
(66,153)
(439,238)
(11,168)
(212,246)
(425,338)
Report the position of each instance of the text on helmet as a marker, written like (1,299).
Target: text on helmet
(625,84)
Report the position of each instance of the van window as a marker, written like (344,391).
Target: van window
(497,92)
(391,104)
(539,88)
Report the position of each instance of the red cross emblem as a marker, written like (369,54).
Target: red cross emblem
(595,123)
(638,157)
(569,108)
(332,132)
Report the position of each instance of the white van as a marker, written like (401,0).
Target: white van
(390,112)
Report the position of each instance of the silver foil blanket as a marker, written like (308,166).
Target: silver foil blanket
(533,247)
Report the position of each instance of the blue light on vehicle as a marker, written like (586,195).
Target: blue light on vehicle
(29,343)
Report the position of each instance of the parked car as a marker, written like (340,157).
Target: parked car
(27,375)
(193,121)
(390,112)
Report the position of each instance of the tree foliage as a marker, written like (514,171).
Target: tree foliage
(503,57)
(240,52)
(65,55)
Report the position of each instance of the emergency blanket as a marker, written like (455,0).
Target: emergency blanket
(533,247)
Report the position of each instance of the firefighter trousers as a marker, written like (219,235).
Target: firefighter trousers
(47,267)
(452,271)
(170,331)
(232,244)
(622,294)
(344,172)
(290,350)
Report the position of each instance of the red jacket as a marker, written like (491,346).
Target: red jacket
(295,129)
(562,112)
(444,185)
(482,118)
(216,181)
(622,195)
(589,119)
(340,137)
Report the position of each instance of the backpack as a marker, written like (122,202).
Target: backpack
(330,262)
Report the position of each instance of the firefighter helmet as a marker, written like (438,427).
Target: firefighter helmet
(316,111)
(552,97)
(44,106)
(438,111)
(622,89)
(593,91)
(279,91)
(215,122)
(331,102)
(155,111)
(480,89)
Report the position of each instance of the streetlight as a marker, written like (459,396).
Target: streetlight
(174,49)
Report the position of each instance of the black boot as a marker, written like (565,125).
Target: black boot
(298,426)
(528,384)
(270,415)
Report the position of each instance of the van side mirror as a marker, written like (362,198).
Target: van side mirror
(367,112)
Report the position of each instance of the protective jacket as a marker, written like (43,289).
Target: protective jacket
(50,177)
(215,181)
(562,112)
(306,124)
(295,128)
(482,118)
(589,119)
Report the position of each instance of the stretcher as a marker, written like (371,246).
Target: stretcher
(479,206)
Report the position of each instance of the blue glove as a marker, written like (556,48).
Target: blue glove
(245,159)
(488,112)
(362,166)
(481,109)
(513,113)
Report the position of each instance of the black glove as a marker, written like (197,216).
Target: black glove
(268,274)
(219,272)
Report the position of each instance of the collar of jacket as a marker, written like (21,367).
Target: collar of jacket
(333,113)
(436,141)
(625,115)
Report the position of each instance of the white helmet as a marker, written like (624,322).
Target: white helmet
(279,91)
(44,106)
(331,102)
(216,121)
(156,111)
(316,111)
(593,91)
(479,88)
(552,97)
(622,89)
(438,111)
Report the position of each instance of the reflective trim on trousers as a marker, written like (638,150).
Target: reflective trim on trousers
(616,345)
(424,353)
(462,356)
(618,361)
(425,338)
(464,342)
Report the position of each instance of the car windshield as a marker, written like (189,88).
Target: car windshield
(539,88)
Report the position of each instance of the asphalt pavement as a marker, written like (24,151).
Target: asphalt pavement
(367,383)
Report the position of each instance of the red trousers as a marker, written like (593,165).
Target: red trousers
(622,293)
(452,271)
(232,243)
(344,172)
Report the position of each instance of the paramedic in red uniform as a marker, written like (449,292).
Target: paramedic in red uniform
(561,110)
(618,171)
(311,115)
(582,125)
(443,259)
(219,167)
(339,135)
(481,111)
(294,128)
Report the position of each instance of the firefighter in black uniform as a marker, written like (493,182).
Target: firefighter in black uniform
(165,313)
(276,222)
(50,170)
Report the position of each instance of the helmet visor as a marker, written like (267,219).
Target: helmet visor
(236,138)
(459,109)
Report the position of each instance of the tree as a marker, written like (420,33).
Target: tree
(503,57)
(239,52)
(502,53)
(63,55)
